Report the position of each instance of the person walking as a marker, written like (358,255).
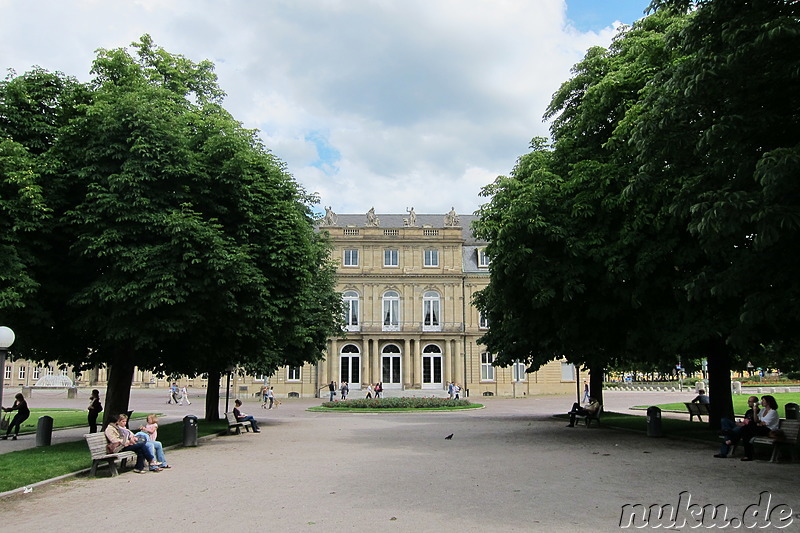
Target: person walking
(21,407)
(185,396)
(270,397)
(344,389)
(95,408)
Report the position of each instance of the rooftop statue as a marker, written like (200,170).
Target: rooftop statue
(451,219)
(372,220)
(330,217)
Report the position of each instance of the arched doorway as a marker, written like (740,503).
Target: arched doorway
(350,365)
(431,367)
(390,367)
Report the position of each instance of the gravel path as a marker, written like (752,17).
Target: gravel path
(509,467)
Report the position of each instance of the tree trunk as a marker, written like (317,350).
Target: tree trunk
(719,383)
(596,382)
(118,390)
(212,396)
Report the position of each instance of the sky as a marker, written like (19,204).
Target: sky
(369,103)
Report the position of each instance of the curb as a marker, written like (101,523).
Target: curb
(21,490)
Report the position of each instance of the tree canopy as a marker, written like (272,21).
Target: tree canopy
(172,238)
(646,231)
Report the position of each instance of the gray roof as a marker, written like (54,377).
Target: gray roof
(397,221)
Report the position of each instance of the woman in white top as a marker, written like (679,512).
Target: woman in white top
(767,420)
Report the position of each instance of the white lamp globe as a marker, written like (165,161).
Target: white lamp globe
(6,337)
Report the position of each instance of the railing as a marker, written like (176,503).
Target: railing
(406,327)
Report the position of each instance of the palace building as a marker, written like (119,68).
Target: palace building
(407,283)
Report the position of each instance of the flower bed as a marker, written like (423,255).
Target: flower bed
(398,403)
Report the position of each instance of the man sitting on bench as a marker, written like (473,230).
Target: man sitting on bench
(576,411)
(241,417)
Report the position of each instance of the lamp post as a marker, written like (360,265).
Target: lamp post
(6,340)
(228,385)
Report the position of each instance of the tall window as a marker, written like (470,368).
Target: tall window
(483,320)
(350,257)
(483,259)
(431,258)
(431,305)
(391,258)
(567,372)
(518,369)
(350,310)
(391,311)
(487,370)
(7,372)
(22,372)
(36,374)
(293,373)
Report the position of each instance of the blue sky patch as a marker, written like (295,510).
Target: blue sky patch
(594,15)
(327,155)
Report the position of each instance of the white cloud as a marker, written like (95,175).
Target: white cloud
(425,101)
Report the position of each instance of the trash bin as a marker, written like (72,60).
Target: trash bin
(654,421)
(190,430)
(792,411)
(44,431)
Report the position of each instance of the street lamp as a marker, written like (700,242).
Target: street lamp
(6,340)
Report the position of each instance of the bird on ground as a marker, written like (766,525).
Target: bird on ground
(449,437)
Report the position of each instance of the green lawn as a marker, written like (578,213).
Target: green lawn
(323,409)
(739,402)
(62,418)
(25,467)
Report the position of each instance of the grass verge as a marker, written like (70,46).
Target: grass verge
(25,467)
(62,418)
(739,402)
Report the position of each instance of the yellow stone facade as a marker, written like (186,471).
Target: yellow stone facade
(408,283)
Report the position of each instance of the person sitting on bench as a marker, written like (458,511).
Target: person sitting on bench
(121,439)
(241,417)
(590,410)
(766,421)
(733,430)
(702,397)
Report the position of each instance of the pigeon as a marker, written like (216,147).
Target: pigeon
(449,437)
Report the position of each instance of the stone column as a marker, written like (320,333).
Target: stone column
(417,361)
(407,381)
(447,371)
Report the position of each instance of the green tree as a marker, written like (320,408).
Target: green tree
(182,245)
(571,271)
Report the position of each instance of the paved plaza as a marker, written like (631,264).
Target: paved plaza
(508,467)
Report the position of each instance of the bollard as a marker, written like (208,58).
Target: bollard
(44,431)
(654,421)
(190,430)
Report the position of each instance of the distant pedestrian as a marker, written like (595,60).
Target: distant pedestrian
(270,397)
(369,391)
(95,408)
(185,396)
(586,397)
(332,389)
(173,393)
(21,407)
(344,389)
(450,390)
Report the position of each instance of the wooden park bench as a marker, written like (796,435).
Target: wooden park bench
(696,409)
(97,447)
(236,424)
(786,436)
(588,418)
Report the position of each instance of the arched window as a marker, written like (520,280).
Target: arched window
(391,311)
(431,307)
(351,321)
